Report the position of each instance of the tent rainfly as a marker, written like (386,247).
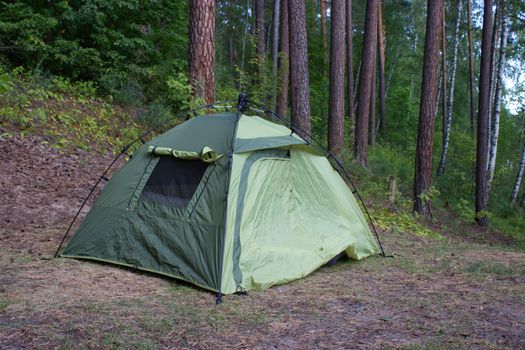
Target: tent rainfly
(227,202)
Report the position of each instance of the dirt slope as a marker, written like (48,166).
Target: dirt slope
(434,294)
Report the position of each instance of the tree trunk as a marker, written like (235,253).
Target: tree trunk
(492,79)
(349,63)
(202,49)
(448,119)
(494,135)
(300,97)
(471,68)
(425,136)
(284,66)
(382,83)
(323,36)
(481,154)
(245,35)
(259,30)
(443,74)
(275,49)
(365,82)
(336,112)
(517,184)
(373,102)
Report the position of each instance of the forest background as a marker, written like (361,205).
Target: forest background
(132,57)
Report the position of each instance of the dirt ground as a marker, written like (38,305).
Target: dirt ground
(434,294)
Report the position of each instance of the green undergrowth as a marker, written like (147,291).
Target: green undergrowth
(451,197)
(67,115)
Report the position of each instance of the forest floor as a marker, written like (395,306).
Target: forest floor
(436,293)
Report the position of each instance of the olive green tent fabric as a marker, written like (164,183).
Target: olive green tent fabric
(270,210)
(180,242)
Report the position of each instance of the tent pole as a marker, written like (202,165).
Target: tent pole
(330,155)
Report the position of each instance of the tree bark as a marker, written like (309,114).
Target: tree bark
(425,136)
(323,36)
(481,153)
(494,135)
(365,82)
(471,69)
(284,65)
(336,112)
(373,102)
(349,64)
(443,74)
(517,184)
(382,83)
(259,31)
(300,96)
(202,49)
(492,79)
(448,119)
(275,49)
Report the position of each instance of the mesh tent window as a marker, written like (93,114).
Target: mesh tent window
(174,181)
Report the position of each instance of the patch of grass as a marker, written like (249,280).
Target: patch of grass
(490,268)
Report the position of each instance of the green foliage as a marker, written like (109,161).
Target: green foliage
(120,45)
(65,113)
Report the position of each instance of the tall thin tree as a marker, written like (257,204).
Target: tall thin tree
(202,49)
(284,60)
(492,74)
(324,41)
(336,109)
(519,177)
(482,134)
(373,104)
(448,119)
(471,68)
(275,48)
(425,135)
(494,134)
(260,30)
(349,65)
(299,78)
(381,67)
(443,74)
(365,82)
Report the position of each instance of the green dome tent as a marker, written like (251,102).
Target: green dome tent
(227,202)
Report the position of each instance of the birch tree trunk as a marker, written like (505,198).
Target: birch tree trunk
(425,135)
(336,112)
(448,119)
(471,68)
(494,135)
(482,135)
(299,78)
(284,61)
(365,82)
(202,49)
(382,83)
(517,184)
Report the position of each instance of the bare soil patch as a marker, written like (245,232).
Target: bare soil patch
(447,293)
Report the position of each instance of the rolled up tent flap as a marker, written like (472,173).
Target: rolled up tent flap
(207,155)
